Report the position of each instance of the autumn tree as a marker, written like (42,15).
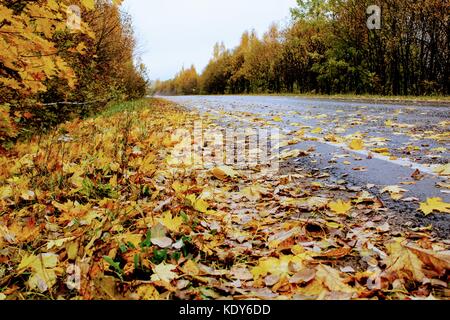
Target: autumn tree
(44,59)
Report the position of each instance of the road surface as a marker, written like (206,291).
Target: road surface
(399,140)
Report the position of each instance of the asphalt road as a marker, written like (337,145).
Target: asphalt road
(405,139)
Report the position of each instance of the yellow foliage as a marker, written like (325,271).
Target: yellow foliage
(340,207)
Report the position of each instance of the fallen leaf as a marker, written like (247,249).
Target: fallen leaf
(340,207)
(254,192)
(443,170)
(396,192)
(224,172)
(164,272)
(331,278)
(434,204)
(402,262)
(317,130)
(158,236)
(356,144)
(171,223)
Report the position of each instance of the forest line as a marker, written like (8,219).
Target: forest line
(328,49)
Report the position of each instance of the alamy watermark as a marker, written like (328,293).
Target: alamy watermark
(73,17)
(374,20)
(73,280)
(210,147)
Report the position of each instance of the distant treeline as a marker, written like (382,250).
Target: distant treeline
(328,48)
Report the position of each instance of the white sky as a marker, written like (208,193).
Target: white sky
(173,33)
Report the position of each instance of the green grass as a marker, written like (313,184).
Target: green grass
(116,107)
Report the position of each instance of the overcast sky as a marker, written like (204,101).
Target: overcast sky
(173,33)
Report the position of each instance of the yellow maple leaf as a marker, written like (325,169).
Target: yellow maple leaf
(43,275)
(402,262)
(277,119)
(356,144)
(179,187)
(164,272)
(201,206)
(443,170)
(340,207)
(190,268)
(171,223)
(133,238)
(198,204)
(434,204)
(331,278)
(396,192)
(275,266)
(317,130)
(253,193)
(223,172)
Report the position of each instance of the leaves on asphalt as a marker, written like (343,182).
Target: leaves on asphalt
(114,204)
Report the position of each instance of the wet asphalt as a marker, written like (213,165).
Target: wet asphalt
(416,137)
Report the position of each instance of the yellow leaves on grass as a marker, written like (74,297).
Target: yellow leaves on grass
(340,207)
(171,223)
(43,273)
(197,203)
(164,272)
(434,204)
(293,231)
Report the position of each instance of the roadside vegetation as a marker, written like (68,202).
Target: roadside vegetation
(102,208)
(51,72)
(328,49)
(96,201)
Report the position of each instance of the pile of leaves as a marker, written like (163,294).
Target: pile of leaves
(101,209)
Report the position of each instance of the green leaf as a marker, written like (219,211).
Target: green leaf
(113,264)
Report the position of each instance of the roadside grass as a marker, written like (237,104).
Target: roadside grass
(135,105)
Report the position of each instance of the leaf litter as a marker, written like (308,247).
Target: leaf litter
(138,223)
